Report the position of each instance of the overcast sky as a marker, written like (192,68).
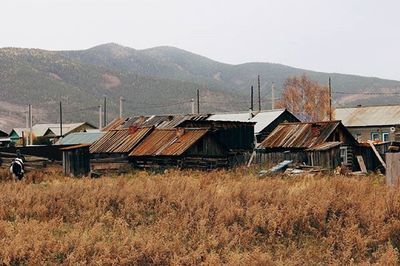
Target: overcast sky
(345,36)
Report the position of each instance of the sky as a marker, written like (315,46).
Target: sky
(344,36)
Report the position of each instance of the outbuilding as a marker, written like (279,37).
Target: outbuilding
(325,144)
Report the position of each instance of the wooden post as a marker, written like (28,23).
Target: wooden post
(251,98)
(259,92)
(198,101)
(192,105)
(61,131)
(121,107)
(330,100)
(377,153)
(393,169)
(273,96)
(100,118)
(30,125)
(105,111)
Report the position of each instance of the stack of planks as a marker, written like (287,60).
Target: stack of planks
(31,162)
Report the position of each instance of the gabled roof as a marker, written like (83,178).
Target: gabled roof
(80,138)
(116,123)
(159,121)
(262,118)
(54,129)
(120,140)
(3,134)
(18,131)
(385,115)
(302,135)
(39,130)
(168,142)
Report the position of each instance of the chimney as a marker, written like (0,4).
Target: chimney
(251,114)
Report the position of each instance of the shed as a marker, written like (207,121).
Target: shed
(76,160)
(326,144)
(180,147)
(119,141)
(237,137)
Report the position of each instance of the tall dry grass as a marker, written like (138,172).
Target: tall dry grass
(192,218)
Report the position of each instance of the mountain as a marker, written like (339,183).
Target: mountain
(174,63)
(153,81)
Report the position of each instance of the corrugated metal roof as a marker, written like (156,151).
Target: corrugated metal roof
(39,130)
(116,123)
(299,135)
(80,138)
(325,146)
(119,140)
(387,115)
(262,119)
(168,142)
(159,121)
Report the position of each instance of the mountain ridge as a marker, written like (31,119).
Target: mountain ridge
(153,81)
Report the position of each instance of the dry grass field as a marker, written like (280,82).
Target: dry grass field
(194,218)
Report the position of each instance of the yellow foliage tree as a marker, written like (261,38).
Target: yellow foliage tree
(306,98)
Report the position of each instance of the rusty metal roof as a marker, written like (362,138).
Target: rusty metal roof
(385,115)
(325,146)
(159,121)
(116,123)
(120,140)
(168,142)
(300,135)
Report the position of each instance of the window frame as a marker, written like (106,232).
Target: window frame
(375,133)
(383,136)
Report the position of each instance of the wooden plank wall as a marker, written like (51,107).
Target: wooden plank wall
(392,169)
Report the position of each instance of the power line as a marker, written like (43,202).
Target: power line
(366,93)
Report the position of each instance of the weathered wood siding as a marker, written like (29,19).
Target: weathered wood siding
(76,162)
(392,169)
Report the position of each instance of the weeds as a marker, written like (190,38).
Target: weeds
(191,218)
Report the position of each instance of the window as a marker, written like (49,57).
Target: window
(375,136)
(385,136)
(343,154)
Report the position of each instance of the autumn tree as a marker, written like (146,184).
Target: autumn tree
(305,98)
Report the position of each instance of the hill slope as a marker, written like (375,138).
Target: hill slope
(170,62)
(153,81)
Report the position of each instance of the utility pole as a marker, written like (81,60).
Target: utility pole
(26,137)
(198,101)
(121,99)
(273,96)
(105,111)
(100,118)
(61,131)
(251,98)
(259,93)
(192,105)
(30,125)
(330,100)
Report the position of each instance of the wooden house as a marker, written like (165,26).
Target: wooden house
(48,133)
(180,147)
(376,123)
(326,144)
